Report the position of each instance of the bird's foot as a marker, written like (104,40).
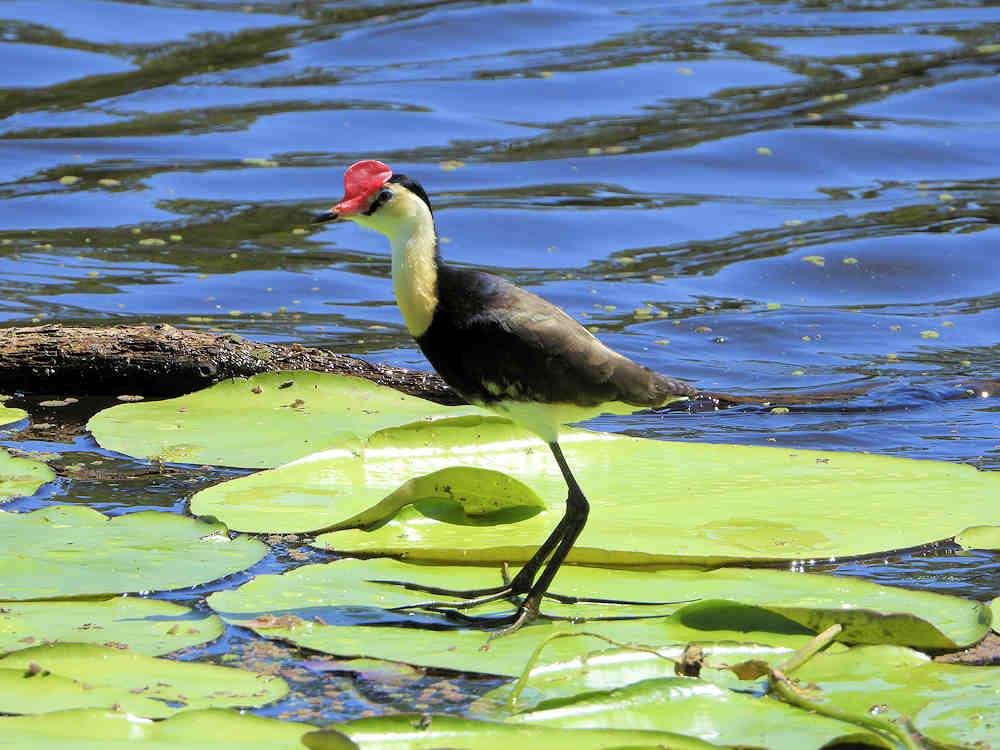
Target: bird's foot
(480,622)
(472,598)
(501,625)
(527,612)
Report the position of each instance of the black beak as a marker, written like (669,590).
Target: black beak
(325,217)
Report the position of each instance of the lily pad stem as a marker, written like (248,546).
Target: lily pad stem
(812,648)
(780,686)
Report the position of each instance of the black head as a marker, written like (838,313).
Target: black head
(414,187)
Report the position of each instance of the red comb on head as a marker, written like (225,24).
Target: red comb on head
(361,180)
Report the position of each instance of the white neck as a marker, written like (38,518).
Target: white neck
(408,224)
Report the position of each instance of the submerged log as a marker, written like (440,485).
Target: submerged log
(161,361)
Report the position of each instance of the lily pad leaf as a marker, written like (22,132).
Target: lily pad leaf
(461,649)
(602,669)
(64,550)
(466,496)
(728,599)
(899,681)
(146,626)
(265,421)
(701,709)
(952,704)
(426,732)
(330,739)
(461,495)
(703,504)
(76,675)
(338,605)
(21,477)
(9,414)
(197,729)
(979,537)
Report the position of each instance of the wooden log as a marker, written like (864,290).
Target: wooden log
(161,360)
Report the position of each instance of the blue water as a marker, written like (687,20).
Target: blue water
(805,196)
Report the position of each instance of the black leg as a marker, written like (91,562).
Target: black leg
(560,540)
(577,510)
(520,584)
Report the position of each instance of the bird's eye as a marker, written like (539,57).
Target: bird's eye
(381,197)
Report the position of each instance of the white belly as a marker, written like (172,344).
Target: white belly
(545,419)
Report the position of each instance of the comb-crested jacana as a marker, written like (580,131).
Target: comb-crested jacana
(501,348)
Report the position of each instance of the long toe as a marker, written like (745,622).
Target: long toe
(504,589)
(469,603)
(527,612)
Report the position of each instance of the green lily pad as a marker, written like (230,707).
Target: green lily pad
(725,599)
(298,605)
(146,626)
(949,703)
(979,537)
(9,414)
(64,550)
(21,477)
(461,649)
(602,669)
(331,739)
(701,709)
(995,609)
(652,502)
(427,732)
(470,497)
(304,624)
(462,495)
(205,729)
(260,422)
(895,680)
(78,675)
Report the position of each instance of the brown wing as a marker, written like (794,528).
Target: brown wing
(491,340)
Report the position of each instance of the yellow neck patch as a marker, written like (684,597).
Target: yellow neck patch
(414,277)
(407,222)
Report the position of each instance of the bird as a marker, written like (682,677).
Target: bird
(501,348)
